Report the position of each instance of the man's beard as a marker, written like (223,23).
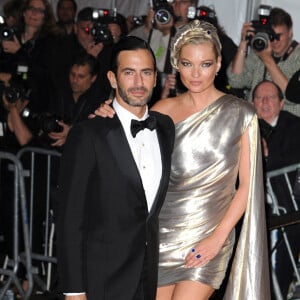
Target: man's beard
(140,102)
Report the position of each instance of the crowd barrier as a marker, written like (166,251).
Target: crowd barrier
(283,188)
(11,266)
(41,174)
(34,183)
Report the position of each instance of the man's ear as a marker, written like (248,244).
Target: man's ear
(112,79)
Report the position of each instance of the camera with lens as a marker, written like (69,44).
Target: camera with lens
(204,13)
(163,12)
(6,33)
(46,122)
(49,123)
(100,31)
(263,30)
(14,92)
(138,20)
(18,86)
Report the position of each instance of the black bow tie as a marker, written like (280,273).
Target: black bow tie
(136,126)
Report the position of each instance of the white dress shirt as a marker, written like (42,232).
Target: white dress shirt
(145,150)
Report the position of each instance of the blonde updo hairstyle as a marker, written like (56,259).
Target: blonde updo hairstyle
(195,33)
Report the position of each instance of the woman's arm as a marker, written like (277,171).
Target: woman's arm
(210,247)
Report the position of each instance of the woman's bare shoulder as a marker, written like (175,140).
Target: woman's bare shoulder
(165,106)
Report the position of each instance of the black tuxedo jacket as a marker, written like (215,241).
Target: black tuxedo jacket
(107,240)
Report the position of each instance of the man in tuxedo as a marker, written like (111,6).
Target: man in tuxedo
(114,177)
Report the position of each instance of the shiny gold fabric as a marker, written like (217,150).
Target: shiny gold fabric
(202,185)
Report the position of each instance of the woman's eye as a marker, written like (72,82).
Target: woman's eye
(206,65)
(185,63)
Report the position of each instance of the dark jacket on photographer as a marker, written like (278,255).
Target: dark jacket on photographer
(62,55)
(292,92)
(283,141)
(64,107)
(32,55)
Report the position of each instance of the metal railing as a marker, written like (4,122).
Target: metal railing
(9,273)
(283,216)
(40,170)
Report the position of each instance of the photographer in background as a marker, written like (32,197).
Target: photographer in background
(281,148)
(76,102)
(27,44)
(277,62)
(16,131)
(20,123)
(66,12)
(158,31)
(81,42)
(181,9)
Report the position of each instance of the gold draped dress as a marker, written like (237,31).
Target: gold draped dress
(203,182)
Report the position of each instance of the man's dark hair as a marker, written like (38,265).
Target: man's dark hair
(129,43)
(279,91)
(85,14)
(87,59)
(278,16)
(59,3)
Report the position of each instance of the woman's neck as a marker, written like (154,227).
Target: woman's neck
(29,34)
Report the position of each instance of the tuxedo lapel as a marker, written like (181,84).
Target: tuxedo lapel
(165,151)
(120,149)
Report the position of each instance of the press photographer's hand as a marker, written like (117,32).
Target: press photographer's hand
(60,137)
(94,49)
(11,46)
(247,31)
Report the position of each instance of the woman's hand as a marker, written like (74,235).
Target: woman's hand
(104,110)
(204,252)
